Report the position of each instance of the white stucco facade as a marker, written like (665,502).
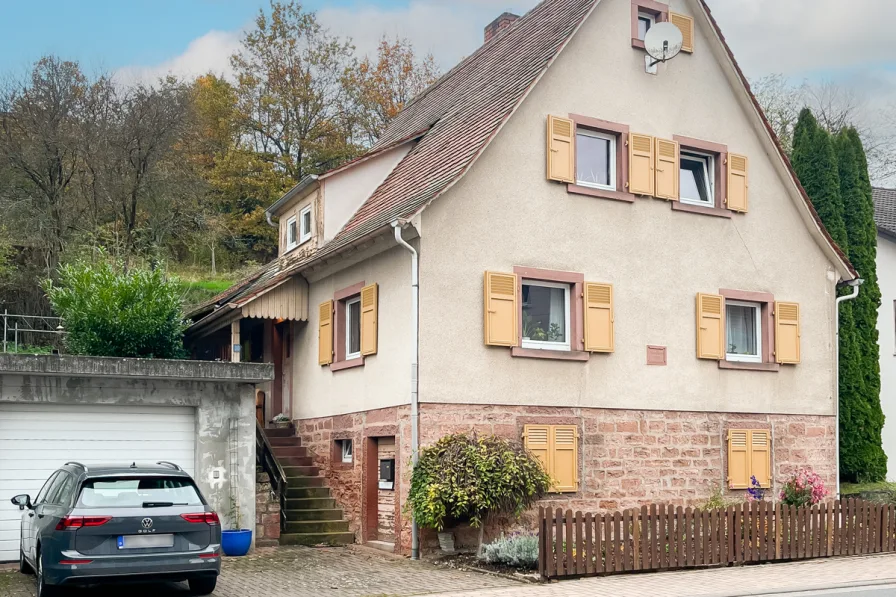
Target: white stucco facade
(886,327)
(504,213)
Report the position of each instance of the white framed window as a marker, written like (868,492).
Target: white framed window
(595,160)
(353,328)
(305,220)
(697,178)
(645,22)
(346,448)
(743,323)
(292,233)
(545,315)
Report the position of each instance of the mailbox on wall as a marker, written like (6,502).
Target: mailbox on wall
(387,474)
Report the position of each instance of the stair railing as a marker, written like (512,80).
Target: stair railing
(264,457)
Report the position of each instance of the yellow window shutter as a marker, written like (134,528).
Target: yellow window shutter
(325,334)
(760,457)
(710,326)
(566,458)
(686,25)
(537,439)
(599,317)
(561,152)
(501,309)
(737,182)
(667,169)
(369,298)
(640,164)
(739,459)
(787,332)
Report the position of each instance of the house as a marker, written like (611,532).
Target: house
(618,267)
(885,218)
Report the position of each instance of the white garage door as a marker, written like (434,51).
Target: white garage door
(36,439)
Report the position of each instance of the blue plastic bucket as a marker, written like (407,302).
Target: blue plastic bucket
(236,543)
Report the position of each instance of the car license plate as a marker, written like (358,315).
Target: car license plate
(144,541)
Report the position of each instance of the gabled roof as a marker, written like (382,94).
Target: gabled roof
(885,210)
(460,114)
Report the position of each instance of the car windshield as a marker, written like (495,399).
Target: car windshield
(132,492)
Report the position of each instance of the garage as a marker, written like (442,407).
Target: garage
(36,439)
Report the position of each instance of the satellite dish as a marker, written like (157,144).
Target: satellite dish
(663,42)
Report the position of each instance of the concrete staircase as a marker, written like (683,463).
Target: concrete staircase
(312,517)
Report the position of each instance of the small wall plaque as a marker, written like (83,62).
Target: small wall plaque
(656,355)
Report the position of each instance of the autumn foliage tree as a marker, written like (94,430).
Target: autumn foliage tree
(380,87)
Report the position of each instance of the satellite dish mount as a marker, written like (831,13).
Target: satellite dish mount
(663,42)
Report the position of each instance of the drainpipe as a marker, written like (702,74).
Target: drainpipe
(415,414)
(271,223)
(854,284)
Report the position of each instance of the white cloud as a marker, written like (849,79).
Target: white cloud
(211,52)
(801,38)
(448,30)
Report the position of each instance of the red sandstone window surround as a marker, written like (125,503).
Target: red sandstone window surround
(765,303)
(656,11)
(719,157)
(574,331)
(619,135)
(347,328)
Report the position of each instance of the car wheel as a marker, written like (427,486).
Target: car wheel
(203,586)
(43,589)
(24,567)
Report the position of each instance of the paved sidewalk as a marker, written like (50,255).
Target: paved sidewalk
(301,572)
(720,582)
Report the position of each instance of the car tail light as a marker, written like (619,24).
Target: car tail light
(206,556)
(74,562)
(76,522)
(206,517)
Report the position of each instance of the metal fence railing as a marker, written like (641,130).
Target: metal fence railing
(22,331)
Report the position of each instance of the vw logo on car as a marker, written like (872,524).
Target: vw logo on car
(147,523)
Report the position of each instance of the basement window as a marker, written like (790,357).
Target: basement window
(346,448)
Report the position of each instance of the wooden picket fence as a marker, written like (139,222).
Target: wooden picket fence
(657,537)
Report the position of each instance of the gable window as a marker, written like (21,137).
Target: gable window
(697,180)
(645,22)
(646,14)
(353,328)
(545,315)
(292,233)
(305,218)
(595,159)
(743,331)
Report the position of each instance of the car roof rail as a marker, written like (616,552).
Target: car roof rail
(75,463)
(171,464)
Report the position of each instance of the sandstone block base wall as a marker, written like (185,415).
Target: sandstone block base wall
(626,457)
(267,513)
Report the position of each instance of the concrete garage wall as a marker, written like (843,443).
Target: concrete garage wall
(222,393)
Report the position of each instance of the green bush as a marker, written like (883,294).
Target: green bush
(464,478)
(110,311)
(517,550)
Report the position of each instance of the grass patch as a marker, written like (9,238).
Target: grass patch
(855,488)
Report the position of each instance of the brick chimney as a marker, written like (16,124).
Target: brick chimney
(499,24)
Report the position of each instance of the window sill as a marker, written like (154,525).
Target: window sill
(749,366)
(349,364)
(696,209)
(557,355)
(575,189)
(638,43)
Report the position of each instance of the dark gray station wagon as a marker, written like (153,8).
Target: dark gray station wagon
(119,523)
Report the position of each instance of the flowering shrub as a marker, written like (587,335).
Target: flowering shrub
(755,493)
(805,488)
(519,550)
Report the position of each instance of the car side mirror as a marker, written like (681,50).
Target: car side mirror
(22,501)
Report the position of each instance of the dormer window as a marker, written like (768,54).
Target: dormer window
(292,233)
(646,20)
(305,218)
